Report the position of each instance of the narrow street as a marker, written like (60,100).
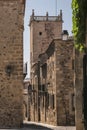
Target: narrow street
(41,126)
(35,127)
(31,127)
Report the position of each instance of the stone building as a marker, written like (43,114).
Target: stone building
(57,80)
(52,94)
(79,93)
(80,76)
(11,65)
(43,29)
(26,99)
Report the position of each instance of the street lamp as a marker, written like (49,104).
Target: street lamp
(9,69)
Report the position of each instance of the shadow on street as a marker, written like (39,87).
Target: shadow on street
(33,127)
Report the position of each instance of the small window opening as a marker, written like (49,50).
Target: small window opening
(40,33)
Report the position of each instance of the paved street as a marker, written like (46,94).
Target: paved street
(35,127)
(31,127)
(41,126)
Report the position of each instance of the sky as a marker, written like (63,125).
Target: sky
(40,7)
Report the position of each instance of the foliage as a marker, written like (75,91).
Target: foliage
(79,11)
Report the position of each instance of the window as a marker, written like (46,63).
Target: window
(40,33)
(72,103)
(73,64)
(51,101)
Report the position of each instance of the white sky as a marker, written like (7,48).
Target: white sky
(41,7)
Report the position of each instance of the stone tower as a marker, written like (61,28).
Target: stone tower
(43,29)
(11,63)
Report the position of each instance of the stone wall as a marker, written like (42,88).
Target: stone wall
(64,83)
(26,99)
(41,41)
(59,76)
(79,90)
(59,106)
(11,57)
(51,88)
(56,92)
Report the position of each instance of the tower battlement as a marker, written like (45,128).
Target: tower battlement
(46,17)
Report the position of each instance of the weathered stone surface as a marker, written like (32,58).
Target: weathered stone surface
(52,76)
(11,54)
(55,89)
(64,82)
(42,32)
(43,29)
(79,82)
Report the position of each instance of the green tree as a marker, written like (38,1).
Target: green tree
(79,11)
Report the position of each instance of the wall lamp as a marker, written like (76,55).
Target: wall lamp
(9,69)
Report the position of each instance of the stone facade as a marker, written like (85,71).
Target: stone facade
(26,99)
(81,88)
(52,74)
(11,66)
(65,83)
(53,86)
(43,29)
